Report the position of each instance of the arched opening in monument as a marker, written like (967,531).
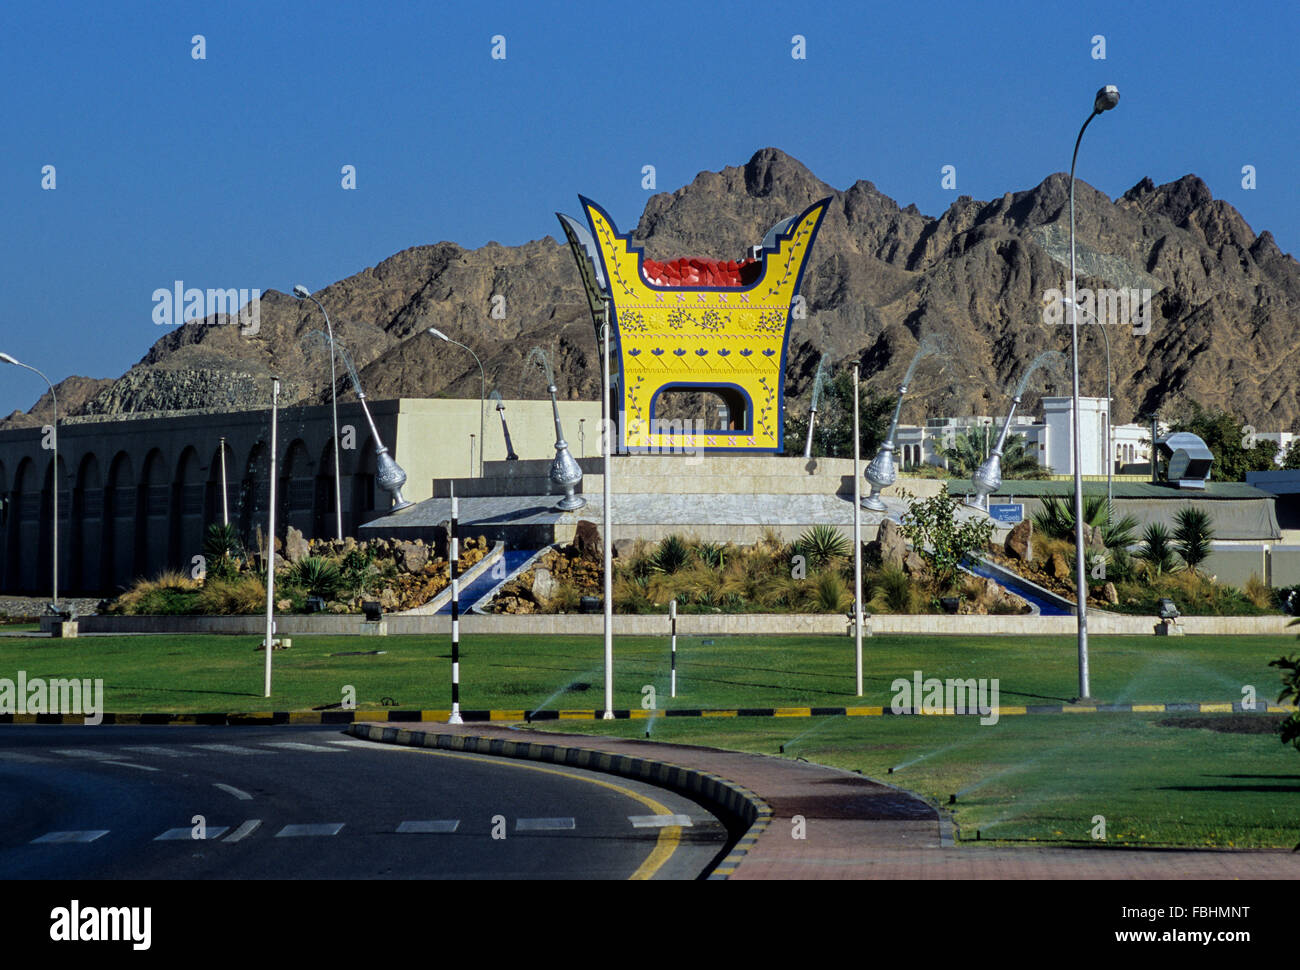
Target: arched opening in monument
(87,526)
(699,409)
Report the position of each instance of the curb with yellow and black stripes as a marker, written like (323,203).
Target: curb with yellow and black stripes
(717,793)
(392,714)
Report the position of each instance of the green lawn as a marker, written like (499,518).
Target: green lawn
(1027,778)
(1044,778)
(217,673)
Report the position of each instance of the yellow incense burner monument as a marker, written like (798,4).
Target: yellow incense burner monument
(696,325)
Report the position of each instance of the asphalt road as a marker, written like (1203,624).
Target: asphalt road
(116,802)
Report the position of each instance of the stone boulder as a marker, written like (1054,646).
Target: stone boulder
(1020,542)
(587,541)
(544,586)
(892,545)
(295,546)
(1059,568)
(914,563)
(412,556)
(1110,594)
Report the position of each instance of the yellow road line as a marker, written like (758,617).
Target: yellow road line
(670,836)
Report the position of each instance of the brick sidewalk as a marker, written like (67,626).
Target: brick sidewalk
(857,828)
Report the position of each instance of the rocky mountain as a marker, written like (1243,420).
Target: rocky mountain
(1224,308)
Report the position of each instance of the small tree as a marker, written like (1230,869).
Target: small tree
(1193,536)
(1155,550)
(931,526)
(833,435)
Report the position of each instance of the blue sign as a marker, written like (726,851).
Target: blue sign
(1011,513)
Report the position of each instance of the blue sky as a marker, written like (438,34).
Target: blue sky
(225,172)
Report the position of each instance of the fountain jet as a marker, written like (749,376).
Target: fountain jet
(819,381)
(988,477)
(881,473)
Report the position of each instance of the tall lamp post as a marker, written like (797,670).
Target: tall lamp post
(1106,99)
(1110,454)
(302,293)
(482,389)
(54,475)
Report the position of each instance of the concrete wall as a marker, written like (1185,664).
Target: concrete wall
(748,624)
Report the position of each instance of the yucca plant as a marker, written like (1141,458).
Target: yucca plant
(1192,537)
(712,554)
(671,555)
(317,576)
(1156,550)
(822,545)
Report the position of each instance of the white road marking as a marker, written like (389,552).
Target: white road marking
(543,824)
(27,759)
(315,828)
(81,753)
(129,764)
(159,751)
(299,746)
(231,749)
(243,796)
(173,835)
(245,830)
(658,821)
(59,838)
(358,743)
(436,825)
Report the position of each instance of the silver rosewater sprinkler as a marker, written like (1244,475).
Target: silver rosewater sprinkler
(565,471)
(505,430)
(389,475)
(988,477)
(882,473)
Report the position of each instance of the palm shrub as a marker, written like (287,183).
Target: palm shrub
(1156,550)
(822,545)
(1192,537)
(1056,520)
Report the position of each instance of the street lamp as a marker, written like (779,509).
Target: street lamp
(302,293)
(482,388)
(1110,455)
(54,475)
(1106,99)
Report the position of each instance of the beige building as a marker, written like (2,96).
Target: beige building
(136,493)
